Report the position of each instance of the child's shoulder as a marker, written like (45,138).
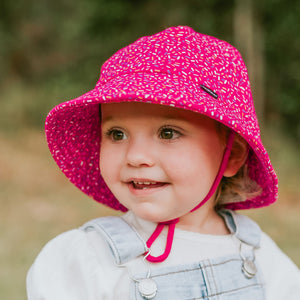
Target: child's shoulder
(79,243)
(269,250)
(281,275)
(273,257)
(69,259)
(72,245)
(65,242)
(62,251)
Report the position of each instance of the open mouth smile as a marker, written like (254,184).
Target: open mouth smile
(145,185)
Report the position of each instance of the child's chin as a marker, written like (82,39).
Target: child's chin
(154,218)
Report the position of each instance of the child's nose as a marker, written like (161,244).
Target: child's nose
(140,153)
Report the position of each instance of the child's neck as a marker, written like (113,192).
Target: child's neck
(204,220)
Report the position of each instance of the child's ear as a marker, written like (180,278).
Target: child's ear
(238,156)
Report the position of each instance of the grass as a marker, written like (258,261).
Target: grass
(37,203)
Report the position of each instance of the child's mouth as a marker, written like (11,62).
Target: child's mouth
(143,185)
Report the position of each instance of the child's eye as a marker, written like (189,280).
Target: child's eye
(116,135)
(169,133)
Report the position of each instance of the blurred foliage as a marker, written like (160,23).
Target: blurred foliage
(52,50)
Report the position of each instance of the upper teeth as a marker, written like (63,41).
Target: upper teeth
(144,182)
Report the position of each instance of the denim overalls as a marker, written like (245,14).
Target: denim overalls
(232,277)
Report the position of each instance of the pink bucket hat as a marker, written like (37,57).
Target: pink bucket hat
(177,67)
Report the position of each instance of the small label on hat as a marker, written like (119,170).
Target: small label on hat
(209,91)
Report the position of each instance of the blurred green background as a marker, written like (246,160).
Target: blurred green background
(51,51)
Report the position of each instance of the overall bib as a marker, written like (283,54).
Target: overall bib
(231,277)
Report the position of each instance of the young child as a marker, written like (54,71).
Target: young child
(169,135)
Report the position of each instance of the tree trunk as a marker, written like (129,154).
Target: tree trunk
(248,36)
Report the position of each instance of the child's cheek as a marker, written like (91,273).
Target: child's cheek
(104,161)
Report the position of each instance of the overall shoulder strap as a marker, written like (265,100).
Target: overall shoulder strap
(245,229)
(123,240)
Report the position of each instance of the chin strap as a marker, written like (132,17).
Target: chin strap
(171,224)
(154,236)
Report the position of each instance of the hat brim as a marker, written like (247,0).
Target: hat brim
(73,131)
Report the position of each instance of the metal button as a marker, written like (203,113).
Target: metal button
(147,288)
(249,268)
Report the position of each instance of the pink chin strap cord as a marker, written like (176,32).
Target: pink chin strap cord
(172,223)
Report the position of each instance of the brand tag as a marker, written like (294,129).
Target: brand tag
(209,91)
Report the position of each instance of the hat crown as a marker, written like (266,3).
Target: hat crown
(177,50)
(193,58)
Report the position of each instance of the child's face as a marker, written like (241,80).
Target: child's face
(158,161)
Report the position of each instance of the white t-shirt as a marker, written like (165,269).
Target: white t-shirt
(79,265)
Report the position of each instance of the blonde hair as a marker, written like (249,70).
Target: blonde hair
(239,187)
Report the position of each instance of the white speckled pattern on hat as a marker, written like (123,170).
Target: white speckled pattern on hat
(167,68)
